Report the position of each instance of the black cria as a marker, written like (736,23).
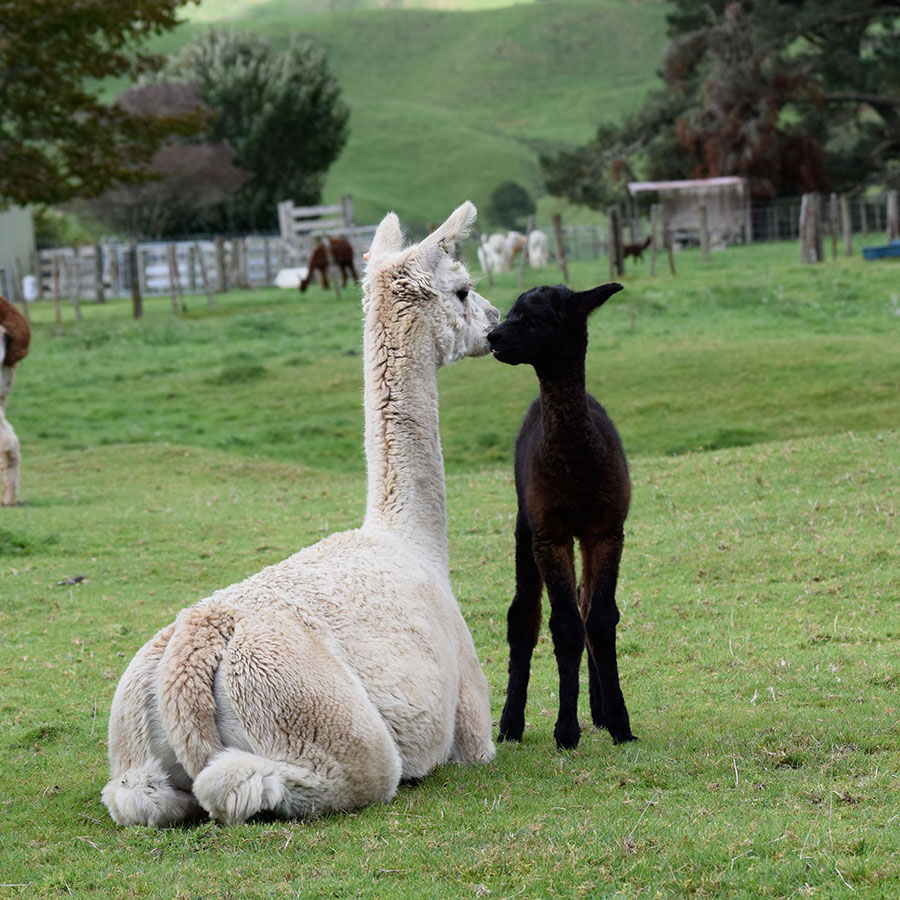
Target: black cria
(571,482)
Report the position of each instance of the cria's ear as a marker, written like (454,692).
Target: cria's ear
(590,300)
(388,239)
(441,241)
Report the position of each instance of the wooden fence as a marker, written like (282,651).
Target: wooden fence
(218,264)
(184,267)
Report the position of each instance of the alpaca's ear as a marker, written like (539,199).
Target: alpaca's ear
(388,239)
(597,296)
(440,242)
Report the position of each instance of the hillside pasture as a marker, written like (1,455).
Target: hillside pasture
(461,97)
(758,646)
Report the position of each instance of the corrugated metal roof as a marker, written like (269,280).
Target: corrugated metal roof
(635,187)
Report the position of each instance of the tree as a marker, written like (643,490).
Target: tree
(189,177)
(57,139)
(797,96)
(282,113)
(510,205)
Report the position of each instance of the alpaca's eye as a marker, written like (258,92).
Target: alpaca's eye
(462,293)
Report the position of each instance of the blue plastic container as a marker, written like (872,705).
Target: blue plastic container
(885,250)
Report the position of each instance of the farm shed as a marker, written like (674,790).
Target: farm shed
(16,246)
(727,202)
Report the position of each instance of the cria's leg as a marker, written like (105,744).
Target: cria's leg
(557,566)
(523,622)
(317,742)
(601,568)
(148,786)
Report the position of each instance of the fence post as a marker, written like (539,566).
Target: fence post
(667,236)
(57,313)
(654,216)
(846,225)
(560,249)
(893,215)
(114,273)
(198,253)
(134,276)
(75,283)
(143,256)
(268,263)
(704,233)
(173,275)
(614,242)
(220,264)
(810,229)
(20,279)
(347,212)
(99,295)
(833,221)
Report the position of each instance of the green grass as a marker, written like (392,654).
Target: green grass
(466,97)
(759,634)
(750,347)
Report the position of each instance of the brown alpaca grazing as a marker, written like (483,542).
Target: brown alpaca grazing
(635,250)
(15,335)
(571,482)
(341,254)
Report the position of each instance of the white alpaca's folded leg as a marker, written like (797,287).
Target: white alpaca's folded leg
(308,737)
(147,786)
(145,795)
(237,785)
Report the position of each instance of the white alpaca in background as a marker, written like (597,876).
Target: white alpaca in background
(492,255)
(514,245)
(321,681)
(538,252)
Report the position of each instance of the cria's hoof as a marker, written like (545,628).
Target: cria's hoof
(511,727)
(567,737)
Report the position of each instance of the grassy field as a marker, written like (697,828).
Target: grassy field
(758,646)
(466,98)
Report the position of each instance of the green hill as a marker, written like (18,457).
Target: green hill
(448,104)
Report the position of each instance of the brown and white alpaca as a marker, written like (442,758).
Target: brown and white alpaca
(15,336)
(341,255)
(320,682)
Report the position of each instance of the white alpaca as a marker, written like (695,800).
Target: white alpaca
(15,335)
(514,245)
(538,252)
(321,681)
(492,253)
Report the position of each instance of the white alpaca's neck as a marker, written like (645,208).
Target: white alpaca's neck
(406,491)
